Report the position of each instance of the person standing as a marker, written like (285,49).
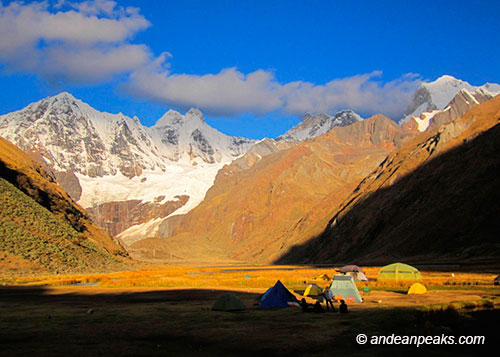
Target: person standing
(328,295)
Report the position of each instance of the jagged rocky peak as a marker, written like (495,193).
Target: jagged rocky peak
(60,100)
(315,124)
(190,138)
(195,112)
(64,96)
(438,94)
(491,88)
(435,95)
(174,118)
(465,98)
(74,137)
(80,139)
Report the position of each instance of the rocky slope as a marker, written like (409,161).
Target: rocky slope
(116,217)
(249,212)
(40,225)
(435,199)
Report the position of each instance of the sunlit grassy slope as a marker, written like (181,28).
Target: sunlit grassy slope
(42,229)
(35,234)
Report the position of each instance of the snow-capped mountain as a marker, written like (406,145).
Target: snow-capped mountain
(114,158)
(114,143)
(71,136)
(188,137)
(313,125)
(435,96)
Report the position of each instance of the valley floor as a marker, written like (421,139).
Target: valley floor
(88,320)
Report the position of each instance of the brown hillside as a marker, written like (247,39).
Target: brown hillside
(435,199)
(32,203)
(249,213)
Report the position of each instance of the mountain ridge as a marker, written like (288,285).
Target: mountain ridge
(432,200)
(251,207)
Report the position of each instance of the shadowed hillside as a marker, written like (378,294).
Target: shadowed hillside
(436,199)
(41,227)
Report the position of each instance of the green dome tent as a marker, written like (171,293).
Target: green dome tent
(398,271)
(228,302)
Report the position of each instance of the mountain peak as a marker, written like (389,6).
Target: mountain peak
(65,98)
(437,95)
(446,86)
(64,95)
(315,124)
(195,113)
(446,78)
(169,118)
(173,117)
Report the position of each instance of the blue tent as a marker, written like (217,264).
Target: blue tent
(277,296)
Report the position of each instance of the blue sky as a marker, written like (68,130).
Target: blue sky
(252,67)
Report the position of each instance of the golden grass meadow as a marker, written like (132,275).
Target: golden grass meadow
(247,277)
(160,310)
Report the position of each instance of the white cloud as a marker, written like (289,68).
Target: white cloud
(95,7)
(34,35)
(83,65)
(365,93)
(231,92)
(89,42)
(225,93)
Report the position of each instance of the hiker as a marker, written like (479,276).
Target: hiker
(328,295)
(305,306)
(343,307)
(317,307)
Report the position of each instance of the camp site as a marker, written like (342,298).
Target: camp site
(242,310)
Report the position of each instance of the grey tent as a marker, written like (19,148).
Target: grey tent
(349,268)
(228,302)
(353,270)
(343,286)
(358,276)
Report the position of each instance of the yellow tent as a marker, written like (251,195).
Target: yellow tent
(323,277)
(313,290)
(417,288)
